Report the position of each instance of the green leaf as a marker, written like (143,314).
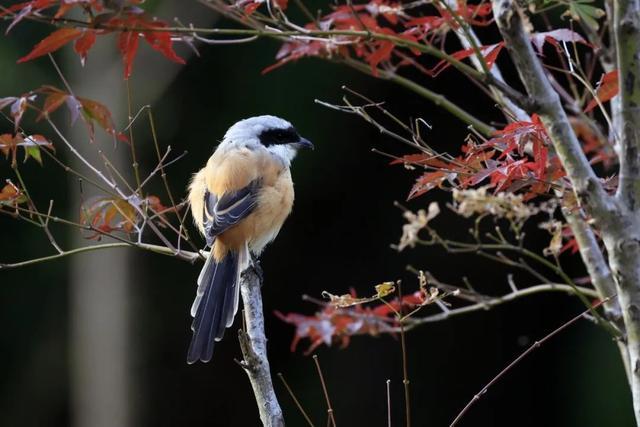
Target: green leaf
(584,12)
(33,151)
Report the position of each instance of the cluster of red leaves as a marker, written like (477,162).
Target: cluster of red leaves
(383,17)
(106,214)
(515,159)
(390,18)
(518,158)
(338,325)
(127,19)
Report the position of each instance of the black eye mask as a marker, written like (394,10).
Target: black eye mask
(271,137)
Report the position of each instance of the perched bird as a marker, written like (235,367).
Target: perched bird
(239,202)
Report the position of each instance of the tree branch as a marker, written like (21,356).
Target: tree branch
(253,344)
(491,302)
(468,39)
(438,99)
(627,36)
(183,255)
(594,261)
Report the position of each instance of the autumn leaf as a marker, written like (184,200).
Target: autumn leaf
(608,87)
(107,214)
(10,195)
(426,182)
(32,145)
(96,112)
(489,53)
(52,42)
(8,146)
(84,43)
(129,40)
(53,100)
(161,40)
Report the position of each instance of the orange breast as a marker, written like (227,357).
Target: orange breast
(230,172)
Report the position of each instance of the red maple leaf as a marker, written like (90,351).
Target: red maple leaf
(608,87)
(52,42)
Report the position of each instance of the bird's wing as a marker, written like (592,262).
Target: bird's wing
(223,212)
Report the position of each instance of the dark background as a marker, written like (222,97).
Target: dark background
(337,237)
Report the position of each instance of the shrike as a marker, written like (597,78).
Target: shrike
(239,202)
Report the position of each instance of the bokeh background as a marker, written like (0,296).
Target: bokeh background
(100,339)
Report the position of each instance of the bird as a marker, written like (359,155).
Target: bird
(239,201)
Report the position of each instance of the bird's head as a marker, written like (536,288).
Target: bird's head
(271,133)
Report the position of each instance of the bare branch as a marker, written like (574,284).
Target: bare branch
(627,36)
(253,344)
(594,261)
(183,255)
(490,302)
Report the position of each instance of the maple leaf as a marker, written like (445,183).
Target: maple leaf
(95,112)
(608,87)
(128,40)
(489,53)
(84,44)
(53,100)
(8,146)
(11,195)
(428,181)
(18,105)
(52,42)
(32,145)
(107,214)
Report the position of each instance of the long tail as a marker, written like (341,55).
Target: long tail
(216,303)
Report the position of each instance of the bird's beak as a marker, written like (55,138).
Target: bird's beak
(304,143)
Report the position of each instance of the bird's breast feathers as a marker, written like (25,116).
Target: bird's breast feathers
(233,170)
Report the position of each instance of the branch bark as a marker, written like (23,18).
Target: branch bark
(253,344)
(594,261)
(626,27)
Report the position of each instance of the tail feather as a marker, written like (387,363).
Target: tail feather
(215,305)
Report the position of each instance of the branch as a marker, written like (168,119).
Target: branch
(491,302)
(468,39)
(438,99)
(594,261)
(627,36)
(183,255)
(253,344)
(547,102)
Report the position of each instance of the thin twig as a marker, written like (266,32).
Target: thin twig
(324,390)
(295,400)
(405,375)
(534,346)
